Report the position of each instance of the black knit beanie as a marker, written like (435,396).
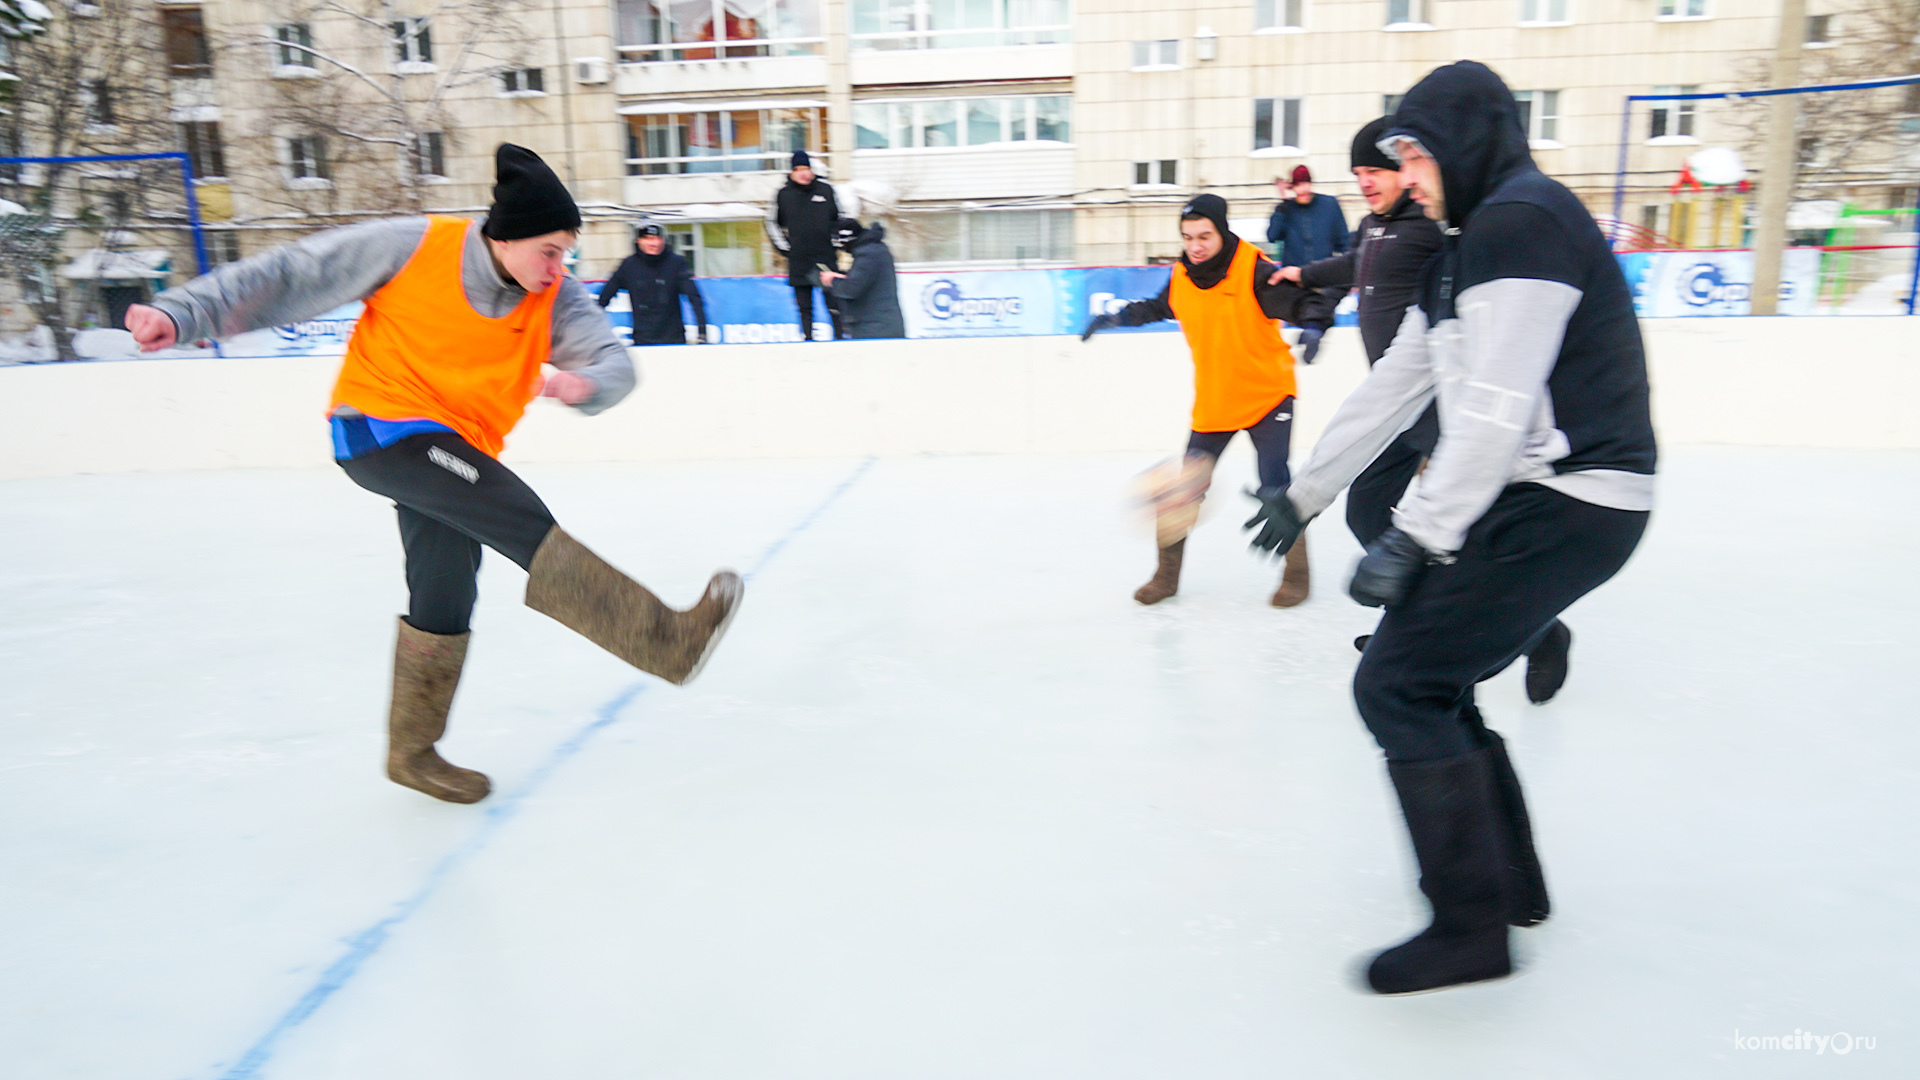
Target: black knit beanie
(1366,148)
(845,231)
(799,158)
(1211,272)
(1211,207)
(528,200)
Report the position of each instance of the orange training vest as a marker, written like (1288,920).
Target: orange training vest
(421,352)
(1241,368)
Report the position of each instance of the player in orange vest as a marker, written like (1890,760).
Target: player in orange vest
(459,320)
(1227,297)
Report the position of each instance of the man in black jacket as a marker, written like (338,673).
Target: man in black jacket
(655,278)
(800,221)
(1396,241)
(1537,491)
(868,294)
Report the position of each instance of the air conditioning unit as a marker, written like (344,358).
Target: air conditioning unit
(590,70)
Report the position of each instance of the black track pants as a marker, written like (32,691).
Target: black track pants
(1527,559)
(803,298)
(1271,436)
(451,499)
(1375,492)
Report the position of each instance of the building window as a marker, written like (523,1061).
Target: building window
(429,157)
(1672,120)
(1276,124)
(223,246)
(295,45)
(1543,13)
(1152,55)
(958,24)
(1819,31)
(936,123)
(1539,114)
(1406,12)
(307,159)
(1390,103)
(523,81)
(651,30)
(1154,172)
(186,37)
(99,98)
(985,236)
(412,41)
(1683,9)
(201,141)
(745,140)
(1279,14)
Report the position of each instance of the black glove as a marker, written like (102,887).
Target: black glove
(1310,343)
(1280,524)
(1393,562)
(1099,323)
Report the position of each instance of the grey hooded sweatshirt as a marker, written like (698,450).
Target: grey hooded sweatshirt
(318,273)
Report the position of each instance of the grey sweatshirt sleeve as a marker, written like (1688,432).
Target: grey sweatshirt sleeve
(292,282)
(584,343)
(1510,335)
(1393,396)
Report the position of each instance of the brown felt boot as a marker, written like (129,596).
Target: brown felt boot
(1295,582)
(582,592)
(426,669)
(1166,579)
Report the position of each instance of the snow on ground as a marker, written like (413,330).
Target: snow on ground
(947,804)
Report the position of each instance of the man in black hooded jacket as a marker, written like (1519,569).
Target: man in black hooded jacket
(1397,239)
(868,292)
(655,278)
(1538,490)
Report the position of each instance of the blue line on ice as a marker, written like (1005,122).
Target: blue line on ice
(363,945)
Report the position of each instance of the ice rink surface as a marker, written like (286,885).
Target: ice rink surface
(946,804)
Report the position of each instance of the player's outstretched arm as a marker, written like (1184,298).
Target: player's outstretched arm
(596,371)
(1138,313)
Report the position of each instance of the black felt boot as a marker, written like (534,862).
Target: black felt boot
(1526,885)
(1458,837)
(1547,663)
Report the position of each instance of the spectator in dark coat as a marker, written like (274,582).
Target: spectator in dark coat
(868,294)
(1305,226)
(800,218)
(655,278)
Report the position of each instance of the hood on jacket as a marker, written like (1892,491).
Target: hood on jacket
(1467,119)
(872,234)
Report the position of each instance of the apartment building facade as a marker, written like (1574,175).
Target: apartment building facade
(984,132)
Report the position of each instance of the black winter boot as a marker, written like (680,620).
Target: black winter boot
(1527,902)
(1459,840)
(1547,663)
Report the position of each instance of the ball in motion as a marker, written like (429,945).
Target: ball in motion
(1172,492)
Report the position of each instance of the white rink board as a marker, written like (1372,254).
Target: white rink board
(1830,382)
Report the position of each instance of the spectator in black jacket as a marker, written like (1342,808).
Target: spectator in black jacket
(655,278)
(1538,490)
(868,294)
(800,219)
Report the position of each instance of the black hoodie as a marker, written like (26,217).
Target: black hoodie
(1385,265)
(1524,332)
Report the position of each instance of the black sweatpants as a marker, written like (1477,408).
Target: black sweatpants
(1271,436)
(1527,559)
(803,297)
(1378,488)
(451,499)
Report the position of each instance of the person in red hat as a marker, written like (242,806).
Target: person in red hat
(460,319)
(1306,226)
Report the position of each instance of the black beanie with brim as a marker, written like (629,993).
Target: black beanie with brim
(1366,148)
(528,199)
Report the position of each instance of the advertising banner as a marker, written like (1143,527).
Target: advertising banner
(982,303)
(1676,284)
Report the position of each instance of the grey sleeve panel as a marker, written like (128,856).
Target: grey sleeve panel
(294,281)
(1393,396)
(585,344)
(1495,414)
(775,232)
